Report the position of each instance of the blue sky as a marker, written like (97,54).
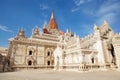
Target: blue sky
(77,15)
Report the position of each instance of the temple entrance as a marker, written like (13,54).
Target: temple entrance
(93,60)
(48,63)
(30,63)
(113,55)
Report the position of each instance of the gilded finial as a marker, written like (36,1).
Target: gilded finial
(52,16)
(44,25)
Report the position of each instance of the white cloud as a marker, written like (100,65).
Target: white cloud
(105,10)
(4,28)
(109,17)
(75,9)
(78,3)
(109,11)
(44,6)
(109,7)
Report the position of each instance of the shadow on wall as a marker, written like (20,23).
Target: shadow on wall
(113,55)
(5,64)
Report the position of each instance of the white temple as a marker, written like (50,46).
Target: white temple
(51,48)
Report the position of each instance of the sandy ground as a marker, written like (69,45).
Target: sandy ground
(59,75)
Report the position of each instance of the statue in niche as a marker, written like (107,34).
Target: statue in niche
(58,58)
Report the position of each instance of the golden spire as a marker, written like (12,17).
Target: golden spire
(44,25)
(52,23)
(52,16)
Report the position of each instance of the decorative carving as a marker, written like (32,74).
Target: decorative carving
(36,31)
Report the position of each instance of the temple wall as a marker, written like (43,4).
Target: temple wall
(116,45)
(25,54)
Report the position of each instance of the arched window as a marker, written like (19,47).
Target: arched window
(48,54)
(30,52)
(29,62)
(113,55)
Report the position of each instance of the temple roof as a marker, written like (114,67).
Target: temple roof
(52,23)
(21,33)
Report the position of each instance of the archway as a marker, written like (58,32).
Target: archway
(58,58)
(93,60)
(30,63)
(48,63)
(30,52)
(113,55)
(48,54)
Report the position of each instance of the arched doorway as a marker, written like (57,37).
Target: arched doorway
(93,60)
(48,63)
(30,63)
(113,55)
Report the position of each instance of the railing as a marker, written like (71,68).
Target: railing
(32,67)
(80,67)
(93,67)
